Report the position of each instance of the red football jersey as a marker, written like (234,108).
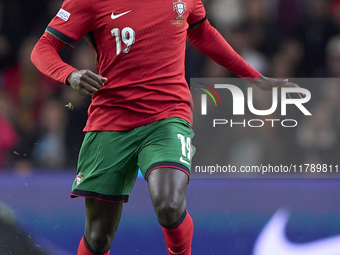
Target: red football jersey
(140,48)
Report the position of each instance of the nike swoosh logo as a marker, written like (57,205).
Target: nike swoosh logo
(184,161)
(273,240)
(176,252)
(118,15)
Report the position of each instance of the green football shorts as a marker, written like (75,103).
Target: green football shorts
(109,160)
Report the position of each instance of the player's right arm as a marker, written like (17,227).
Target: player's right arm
(46,58)
(70,24)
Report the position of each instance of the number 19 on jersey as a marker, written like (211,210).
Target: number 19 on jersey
(127,37)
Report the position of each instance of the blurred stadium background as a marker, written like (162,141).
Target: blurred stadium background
(40,139)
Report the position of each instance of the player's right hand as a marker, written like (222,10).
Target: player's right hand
(86,81)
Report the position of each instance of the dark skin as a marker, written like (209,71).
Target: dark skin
(167,186)
(102,219)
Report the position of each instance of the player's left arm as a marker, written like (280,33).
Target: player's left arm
(209,41)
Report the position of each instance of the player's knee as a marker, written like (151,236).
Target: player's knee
(169,212)
(99,243)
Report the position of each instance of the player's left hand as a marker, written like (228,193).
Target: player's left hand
(265,83)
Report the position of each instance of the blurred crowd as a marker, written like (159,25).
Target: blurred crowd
(279,38)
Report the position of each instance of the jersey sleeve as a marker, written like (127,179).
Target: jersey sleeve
(46,58)
(72,22)
(197,15)
(209,41)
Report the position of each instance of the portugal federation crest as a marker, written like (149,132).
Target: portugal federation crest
(79,178)
(180,7)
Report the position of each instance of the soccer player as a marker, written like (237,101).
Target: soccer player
(140,111)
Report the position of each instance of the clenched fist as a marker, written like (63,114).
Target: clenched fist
(86,81)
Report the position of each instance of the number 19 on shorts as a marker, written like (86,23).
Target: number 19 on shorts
(185,147)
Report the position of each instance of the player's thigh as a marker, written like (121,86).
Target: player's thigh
(167,187)
(107,166)
(168,145)
(102,217)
